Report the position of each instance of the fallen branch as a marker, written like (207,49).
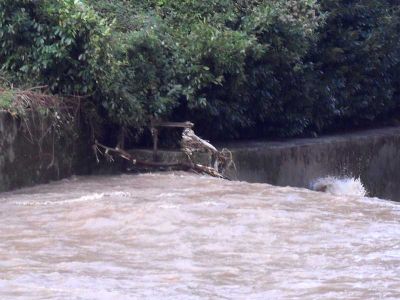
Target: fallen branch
(220,160)
(190,142)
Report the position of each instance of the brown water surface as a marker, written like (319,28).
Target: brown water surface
(181,236)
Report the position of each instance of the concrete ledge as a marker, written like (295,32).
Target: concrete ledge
(372,155)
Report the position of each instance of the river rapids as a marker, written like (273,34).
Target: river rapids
(182,236)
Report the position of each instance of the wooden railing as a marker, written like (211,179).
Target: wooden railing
(155,124)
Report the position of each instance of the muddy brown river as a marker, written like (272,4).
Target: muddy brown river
(181,236)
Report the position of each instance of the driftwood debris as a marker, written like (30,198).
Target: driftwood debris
(190,144)
(221,161)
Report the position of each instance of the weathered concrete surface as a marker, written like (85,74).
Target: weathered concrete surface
(24,162)
(372,155)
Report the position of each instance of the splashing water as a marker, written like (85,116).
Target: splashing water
(180,236)
(340,186)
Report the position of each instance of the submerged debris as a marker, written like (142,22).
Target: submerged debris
(221,161)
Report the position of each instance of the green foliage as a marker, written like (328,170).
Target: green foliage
(359,47)
(213,78)
(144,84)
(52,42)
(280,77)
(6,99)
(237,68)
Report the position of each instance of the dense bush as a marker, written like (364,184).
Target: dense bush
(359,47)
(144,84)
(236,68)
(281,79)
(58,43)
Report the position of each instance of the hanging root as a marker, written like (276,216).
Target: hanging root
(43,117)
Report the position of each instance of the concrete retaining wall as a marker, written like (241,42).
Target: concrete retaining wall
(25,161)
(372,155)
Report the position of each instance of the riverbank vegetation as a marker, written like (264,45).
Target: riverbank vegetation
(237,69)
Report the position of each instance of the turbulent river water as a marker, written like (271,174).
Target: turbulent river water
(181,236)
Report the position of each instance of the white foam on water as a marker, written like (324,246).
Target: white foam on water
(84,198)
(347,186)
(89,197)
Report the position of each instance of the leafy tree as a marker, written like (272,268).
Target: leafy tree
(236,68)
(59,43)
(358,47)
